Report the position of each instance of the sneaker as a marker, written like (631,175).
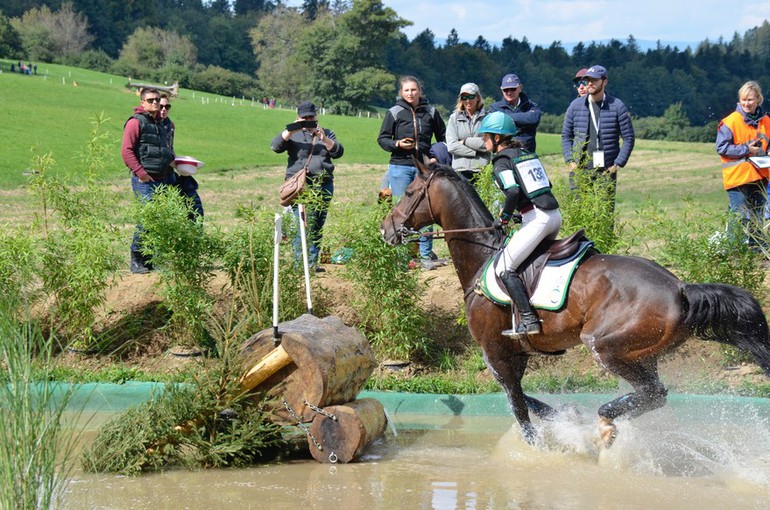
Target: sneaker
(138,268)
(434,258)
(428,264)
(320,269)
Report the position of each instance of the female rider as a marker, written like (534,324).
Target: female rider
(523,181)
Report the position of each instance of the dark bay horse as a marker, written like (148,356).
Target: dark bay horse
(628,311)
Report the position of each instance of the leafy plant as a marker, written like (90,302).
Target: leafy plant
(184,253)
(387,301)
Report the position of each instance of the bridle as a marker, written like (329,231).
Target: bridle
(404,232)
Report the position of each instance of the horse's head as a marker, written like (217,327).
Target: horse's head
(413,211)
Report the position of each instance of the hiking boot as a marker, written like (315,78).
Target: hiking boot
(137,263)
(320,269)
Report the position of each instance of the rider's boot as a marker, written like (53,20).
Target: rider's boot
(529,323)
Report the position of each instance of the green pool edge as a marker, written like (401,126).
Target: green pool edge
(118,397)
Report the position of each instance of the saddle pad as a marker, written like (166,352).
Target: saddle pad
(551,290)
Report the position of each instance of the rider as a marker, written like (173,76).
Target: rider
(523,181)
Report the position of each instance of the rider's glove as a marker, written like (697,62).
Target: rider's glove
(500,223)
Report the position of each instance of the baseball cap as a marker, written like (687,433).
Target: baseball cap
(580,74)
(510,81)
(306,109)
(596,72)
(470,88)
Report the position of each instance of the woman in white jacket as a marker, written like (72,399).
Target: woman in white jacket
(469,155)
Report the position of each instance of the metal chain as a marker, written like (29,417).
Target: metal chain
(302,426)
(320,411)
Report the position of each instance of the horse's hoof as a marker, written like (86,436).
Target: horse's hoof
(607,432)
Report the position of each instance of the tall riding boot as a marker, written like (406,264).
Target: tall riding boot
(529,323)
(138,264)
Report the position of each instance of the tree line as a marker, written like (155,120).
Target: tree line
(346,55)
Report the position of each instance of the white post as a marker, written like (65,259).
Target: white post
(305,265)
(276,257)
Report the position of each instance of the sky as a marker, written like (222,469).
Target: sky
(570,21)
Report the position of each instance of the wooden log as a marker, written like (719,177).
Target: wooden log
(330,363)
(342,440)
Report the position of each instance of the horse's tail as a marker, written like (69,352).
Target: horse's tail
(729,315)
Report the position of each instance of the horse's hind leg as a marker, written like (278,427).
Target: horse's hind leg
(650,394)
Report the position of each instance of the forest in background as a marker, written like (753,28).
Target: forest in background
(346,55)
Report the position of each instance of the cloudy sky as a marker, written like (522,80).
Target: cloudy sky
(571,21)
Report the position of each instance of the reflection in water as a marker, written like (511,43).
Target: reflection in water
(690,455)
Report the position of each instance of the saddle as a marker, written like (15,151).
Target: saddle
(561,250)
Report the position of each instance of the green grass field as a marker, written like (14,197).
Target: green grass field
(49,113)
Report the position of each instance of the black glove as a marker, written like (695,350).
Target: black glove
(500,223)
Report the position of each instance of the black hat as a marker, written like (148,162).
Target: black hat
(306,109)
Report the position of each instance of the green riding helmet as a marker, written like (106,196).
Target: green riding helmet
(497,123)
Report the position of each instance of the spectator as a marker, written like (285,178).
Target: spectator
(146,154)
(525,114)
(581,85)
(740,135)
(187,184)
(406,132)
(314,148)
(522,179)
(439,153)
(593,127)
(469,154)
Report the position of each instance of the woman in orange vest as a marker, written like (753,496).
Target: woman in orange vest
(740,136)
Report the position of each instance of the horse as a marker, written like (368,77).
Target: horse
(628,311)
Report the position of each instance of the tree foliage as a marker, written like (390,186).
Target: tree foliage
(51,36)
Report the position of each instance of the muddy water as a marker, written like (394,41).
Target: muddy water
(712,454)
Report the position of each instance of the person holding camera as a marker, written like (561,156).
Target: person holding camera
(310,146)
(406,132)
(740,136)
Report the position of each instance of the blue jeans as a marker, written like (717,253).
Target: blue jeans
(747,202)
(144,191)
(316,218)
(400,177)
(188,187)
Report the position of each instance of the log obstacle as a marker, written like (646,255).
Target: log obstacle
(329,365)
(343,432)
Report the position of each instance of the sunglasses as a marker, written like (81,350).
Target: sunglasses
(581,83)
(152,100)
(510,90)
(467,97)
(165,106)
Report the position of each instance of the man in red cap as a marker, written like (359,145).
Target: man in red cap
(581,85)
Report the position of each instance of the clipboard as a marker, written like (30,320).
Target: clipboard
(760,161)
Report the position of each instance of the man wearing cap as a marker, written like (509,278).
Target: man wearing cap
(593,127)
(580,84)
(525,114)
(146,153)
(313,147)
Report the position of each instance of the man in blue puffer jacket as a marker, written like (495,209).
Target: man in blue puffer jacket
(593,127)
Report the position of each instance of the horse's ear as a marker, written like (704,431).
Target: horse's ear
(422,166)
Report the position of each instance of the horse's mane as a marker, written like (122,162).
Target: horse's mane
(479,206)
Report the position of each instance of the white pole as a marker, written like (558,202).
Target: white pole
(276,293)
(305,266)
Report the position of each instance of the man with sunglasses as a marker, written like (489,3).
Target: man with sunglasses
(594,126)
(146,153)
(525,114)
(187,184)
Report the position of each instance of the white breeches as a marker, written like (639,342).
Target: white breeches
(536,225)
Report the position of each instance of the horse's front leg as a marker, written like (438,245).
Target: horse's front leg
(508,371)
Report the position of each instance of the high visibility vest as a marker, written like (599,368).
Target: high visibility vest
(740,171)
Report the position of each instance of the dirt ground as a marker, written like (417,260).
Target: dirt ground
(133,314)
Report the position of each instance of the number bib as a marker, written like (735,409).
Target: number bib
(534,181)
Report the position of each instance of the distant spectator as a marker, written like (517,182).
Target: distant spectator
(469,154)
(187,184)
(13,68)
(146,153)
(593,127)
(740,135)
(406,133)
(581,85)
(314,147)
(525,114)
(440,154)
